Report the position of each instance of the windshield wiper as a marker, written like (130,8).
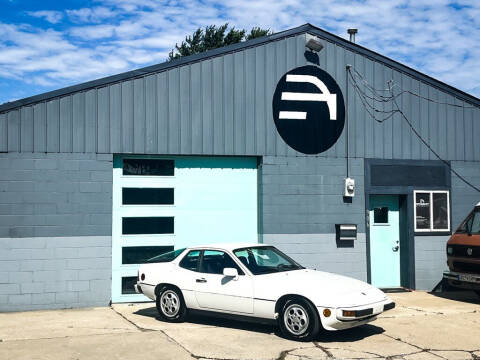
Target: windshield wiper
(286,267)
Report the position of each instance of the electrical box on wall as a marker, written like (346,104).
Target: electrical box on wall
(346,232)
(349,190)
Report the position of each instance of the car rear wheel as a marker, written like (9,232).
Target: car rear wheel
(298,320)
(170,304)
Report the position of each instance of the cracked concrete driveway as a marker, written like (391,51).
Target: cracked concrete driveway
(423,326)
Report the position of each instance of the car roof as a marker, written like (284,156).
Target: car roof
(227,246)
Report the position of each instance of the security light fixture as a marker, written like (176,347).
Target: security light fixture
(313,43)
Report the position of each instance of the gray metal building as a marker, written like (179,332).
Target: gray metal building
(97,177)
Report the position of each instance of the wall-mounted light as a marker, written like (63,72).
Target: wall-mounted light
(313,43)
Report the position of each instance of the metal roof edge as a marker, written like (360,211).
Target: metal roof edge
(152,69)
(394,64)
(306,28)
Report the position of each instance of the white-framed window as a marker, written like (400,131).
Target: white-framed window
(431,210)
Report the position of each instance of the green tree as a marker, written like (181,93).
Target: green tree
(213,37)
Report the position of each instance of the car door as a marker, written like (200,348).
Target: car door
(215,291)
(186,275)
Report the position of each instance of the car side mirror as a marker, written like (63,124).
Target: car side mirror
(230,272)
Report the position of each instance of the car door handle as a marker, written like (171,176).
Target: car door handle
(202,280)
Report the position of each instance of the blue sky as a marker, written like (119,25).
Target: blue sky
(46,45)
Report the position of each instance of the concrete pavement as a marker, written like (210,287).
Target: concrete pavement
(423,326)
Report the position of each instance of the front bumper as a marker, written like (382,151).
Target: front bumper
(462,280)
(363,315)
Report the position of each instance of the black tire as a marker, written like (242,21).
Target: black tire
(298,320)
(170,304)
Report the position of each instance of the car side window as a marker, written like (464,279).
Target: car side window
(190,261)
(214,261)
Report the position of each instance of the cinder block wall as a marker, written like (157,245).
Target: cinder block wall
(430,261)
(55,230)
(430,251)
(302,201)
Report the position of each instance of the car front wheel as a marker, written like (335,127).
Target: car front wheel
(170,304)
(298,320)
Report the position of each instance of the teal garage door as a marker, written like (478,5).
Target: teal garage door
(161,204)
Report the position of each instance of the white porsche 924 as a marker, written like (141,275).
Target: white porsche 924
(258,281)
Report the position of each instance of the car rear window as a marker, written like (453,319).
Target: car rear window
(190,261)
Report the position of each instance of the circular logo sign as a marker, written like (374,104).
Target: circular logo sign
(308,109)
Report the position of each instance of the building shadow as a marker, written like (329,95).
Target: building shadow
(458,295)
(267,327)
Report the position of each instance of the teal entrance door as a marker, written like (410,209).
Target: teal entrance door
(384,241)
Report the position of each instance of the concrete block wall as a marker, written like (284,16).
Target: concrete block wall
(430,256)
(321,252)
(54,272)
(430,261)
(55,230)
(46,194)
(302,201)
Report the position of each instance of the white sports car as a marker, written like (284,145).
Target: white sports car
(258,281)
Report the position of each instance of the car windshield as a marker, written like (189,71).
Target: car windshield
(166,257)
(265,260)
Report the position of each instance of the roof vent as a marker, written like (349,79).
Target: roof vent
(352,33)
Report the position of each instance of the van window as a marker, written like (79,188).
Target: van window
(475,223)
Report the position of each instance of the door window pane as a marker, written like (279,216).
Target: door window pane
(147,225)
(215,261)
(190,261)
(140,254)
(151,167)
(147,196)
(127,284)
(422,206)
(380,215)
(440,211)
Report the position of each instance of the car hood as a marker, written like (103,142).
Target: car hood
(323,288)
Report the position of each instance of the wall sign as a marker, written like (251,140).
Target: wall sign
(308,109)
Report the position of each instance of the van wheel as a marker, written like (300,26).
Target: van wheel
(170,304)
(299,320)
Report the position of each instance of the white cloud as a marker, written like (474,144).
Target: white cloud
(49,15)
(439,38)
(92,15)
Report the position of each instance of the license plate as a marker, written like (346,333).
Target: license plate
(467,278)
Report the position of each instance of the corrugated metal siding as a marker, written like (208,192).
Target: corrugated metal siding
(222,106)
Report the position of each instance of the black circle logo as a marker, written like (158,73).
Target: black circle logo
(308,109)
